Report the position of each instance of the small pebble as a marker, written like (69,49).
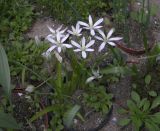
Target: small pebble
(114,120)
(75,121)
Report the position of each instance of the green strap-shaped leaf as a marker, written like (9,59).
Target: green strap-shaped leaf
(70,114)
(146,105)
(152,93)
(7,121)
(41,113)
(156,117)
(115,70)
(156,102)
(148,79)
(135,96)
(4,72)
(151,126)
(124,122)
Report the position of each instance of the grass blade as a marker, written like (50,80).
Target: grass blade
(5,79)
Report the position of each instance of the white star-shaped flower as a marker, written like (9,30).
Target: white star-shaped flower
(96,75)
(83,47)
(107,39)
(90,26)
(57,31)
(58,43)
(75,30)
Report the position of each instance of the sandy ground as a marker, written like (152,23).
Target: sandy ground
(39,28)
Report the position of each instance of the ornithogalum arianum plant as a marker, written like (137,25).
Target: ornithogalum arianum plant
(82,40)
(71,52)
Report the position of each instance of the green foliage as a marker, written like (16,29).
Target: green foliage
(41,113)
(65,82)
(152,93)
(5,79)
(140,113)
(27,54)
(98,99)
(72,10)
(57,112)
(115,70)
(70,75)
(127,13)
(6,119)
(126,9)
(57,119)
(16,16)
(153,56)
(63,114)
(70,114)
(8,122)
(156,102)
(147,79)
(120,10)
(142,15)
(124,122)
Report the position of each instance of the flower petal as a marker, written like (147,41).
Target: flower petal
(51,36)
(73,29)
(115,38)
(50,29)
(79,31)
(97,27)
(92,32)
(102,33)
(51,48)
(110,33)
(101,46)
(90,79)
(51,39)
(83,23)
(84,55)
(59,49)
(98,22)
(90,50)
(83,42)
(70,32)
(59,58)
(88,28)
(111,43)
(46,54)
(65,38)
(75,44)
(77,50)
(98,38)
(58,36)
(90,20)
(77,26)
(68,45)
(59,28)
(62,31)
(90,43)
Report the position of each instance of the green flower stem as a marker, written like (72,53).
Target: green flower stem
(21,65)
(59,80)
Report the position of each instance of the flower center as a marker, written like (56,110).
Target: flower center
(83,48)
(105,39)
